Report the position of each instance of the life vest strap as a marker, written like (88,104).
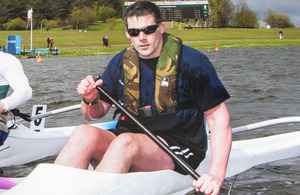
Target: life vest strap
(150,111)
(147,111)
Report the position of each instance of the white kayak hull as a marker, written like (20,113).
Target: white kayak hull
(55,179)
(24,145)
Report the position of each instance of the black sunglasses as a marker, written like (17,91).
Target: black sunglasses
(147,30)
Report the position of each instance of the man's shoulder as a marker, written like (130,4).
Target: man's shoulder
(115,62)
(193,56)
(119,56)
(189,51)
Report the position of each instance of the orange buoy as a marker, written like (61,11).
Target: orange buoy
(39,60)
(217,47)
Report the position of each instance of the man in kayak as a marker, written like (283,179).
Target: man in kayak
(170,88)
(11,76)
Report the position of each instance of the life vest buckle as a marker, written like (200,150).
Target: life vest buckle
(147,111)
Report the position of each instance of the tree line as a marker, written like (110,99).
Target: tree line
(78,14)
(62,13)
(223,13)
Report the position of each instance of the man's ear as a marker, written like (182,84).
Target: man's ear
(127,35)
(162,28)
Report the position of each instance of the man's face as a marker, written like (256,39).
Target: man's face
(147,45)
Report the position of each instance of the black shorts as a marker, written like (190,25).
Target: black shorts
(192,156)
(184,151)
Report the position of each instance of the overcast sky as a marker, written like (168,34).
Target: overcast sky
(288,7)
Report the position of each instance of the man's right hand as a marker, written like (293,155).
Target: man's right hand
(87,88)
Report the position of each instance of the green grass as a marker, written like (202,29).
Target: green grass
(101,26)
(74,43)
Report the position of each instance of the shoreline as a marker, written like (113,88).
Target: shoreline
(199,45)
(75,43)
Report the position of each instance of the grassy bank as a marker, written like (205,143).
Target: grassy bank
(74,43)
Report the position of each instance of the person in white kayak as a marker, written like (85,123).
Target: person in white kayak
(171,88)
(11,76)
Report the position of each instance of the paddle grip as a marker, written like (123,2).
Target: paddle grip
(96,78)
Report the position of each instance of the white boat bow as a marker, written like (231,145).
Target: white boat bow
(56,179)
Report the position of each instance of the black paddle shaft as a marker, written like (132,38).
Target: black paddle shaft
(158,141)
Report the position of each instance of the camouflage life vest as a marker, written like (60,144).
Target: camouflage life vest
(165,82)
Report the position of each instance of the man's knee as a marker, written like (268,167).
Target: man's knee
(91,135)
(126,142)
(82,130)
(82,133)
(125,139)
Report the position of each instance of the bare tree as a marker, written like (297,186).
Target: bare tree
(244,17)
(221,12)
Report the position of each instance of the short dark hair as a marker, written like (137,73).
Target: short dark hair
(142,8)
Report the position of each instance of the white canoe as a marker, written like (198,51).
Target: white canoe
(55,179)
(24,145)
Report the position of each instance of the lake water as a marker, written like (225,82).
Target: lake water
(264,84)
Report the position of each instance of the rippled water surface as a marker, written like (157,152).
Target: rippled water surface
(264,84)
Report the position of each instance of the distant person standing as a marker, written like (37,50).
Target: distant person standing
(51,42)
(280,34)
(105,41)
(11,76)
(48,42)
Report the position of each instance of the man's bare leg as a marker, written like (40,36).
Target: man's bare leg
(134,152)
(86,143)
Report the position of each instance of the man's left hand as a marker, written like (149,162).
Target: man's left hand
(208,184)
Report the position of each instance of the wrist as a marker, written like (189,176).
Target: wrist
(95,101)
(3,106)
